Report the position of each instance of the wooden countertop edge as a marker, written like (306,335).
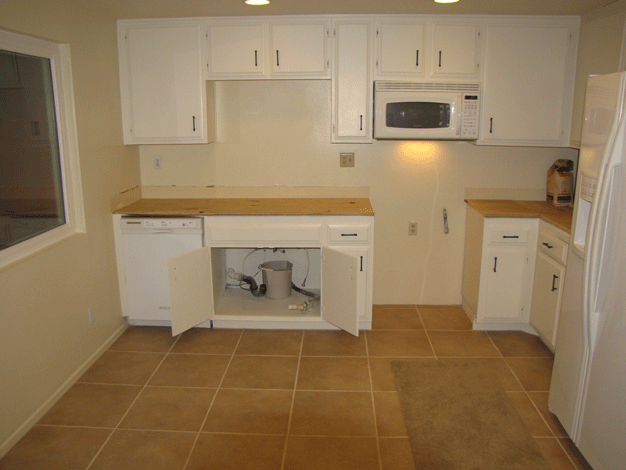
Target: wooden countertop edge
(560,217)
(249,207)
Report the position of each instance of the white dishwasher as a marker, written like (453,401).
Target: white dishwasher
(147,244)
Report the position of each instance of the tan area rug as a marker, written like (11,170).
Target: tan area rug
(459,418)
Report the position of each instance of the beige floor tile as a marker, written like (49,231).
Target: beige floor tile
(333,414)
(94,405)
(333,343)
(270,342)
(519,344)
(336,453)
(191,370)
(401,318)
(529,414)
(389,419)
(130,368)
(171,409)
(55,448)
(154,450)
(395,454)
(540,400)
(264,372)
(462,344)
(533,373)
(207,341)
(333,373)
(404,343)
(444,318)
(496,364)
(145,338)
(250,412)
(554,454)
(383,379)
(237,452)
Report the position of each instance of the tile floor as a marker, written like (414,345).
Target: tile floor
(261,399)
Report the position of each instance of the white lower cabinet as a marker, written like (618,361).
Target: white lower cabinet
(498,270)
(331,257)
(549,278)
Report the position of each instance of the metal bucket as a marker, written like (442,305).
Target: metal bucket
(277,278)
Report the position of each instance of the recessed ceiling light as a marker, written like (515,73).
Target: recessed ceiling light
(257,2)
(446,1)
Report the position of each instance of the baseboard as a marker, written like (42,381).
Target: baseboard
(65,386)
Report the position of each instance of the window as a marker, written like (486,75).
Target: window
(40,194)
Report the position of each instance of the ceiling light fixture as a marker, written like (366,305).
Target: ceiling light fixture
(446,1)
(257,2)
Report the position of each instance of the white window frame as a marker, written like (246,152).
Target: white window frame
(61,68)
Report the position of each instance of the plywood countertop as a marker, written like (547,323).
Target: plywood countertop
(561,217)
(245,206)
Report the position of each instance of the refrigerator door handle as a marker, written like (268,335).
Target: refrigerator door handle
(608,184)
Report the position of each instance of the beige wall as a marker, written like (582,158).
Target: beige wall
(278,134)
(599,52)
(44,333)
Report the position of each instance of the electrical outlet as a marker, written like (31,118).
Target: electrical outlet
(346,159)
(90,316)
(412,228)
(158,162)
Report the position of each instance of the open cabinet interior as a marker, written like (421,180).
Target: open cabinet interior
(234,297)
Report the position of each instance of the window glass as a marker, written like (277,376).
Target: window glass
(31,186)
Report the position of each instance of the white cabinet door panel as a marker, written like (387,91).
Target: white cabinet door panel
(352,83)
(546,302)
(525,84)
(340,289)
(300,49)
(191,289)
(455,51)
(165,84)
(236,50)
(504,276)
(401,49)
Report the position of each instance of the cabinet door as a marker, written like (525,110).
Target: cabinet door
(191,289)
(163,84)
(340,289)
(504,278)
(546,301)
(400,49)
(527,86)
(455,50)
(352,82)
(300,49)
(236,51)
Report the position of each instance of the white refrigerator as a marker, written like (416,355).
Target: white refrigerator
(588,388)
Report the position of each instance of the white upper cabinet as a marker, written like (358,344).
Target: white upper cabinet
(299,49)
(455,50)
(162,81)
(352,81)
(528,83)
(237,50)
(400,49)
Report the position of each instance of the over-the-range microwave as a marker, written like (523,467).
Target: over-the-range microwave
(426,110)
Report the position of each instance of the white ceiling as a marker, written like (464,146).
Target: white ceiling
(190,8)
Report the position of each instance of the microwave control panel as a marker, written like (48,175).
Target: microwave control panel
(470,114)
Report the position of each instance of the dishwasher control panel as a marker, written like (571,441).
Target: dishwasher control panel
(146,224)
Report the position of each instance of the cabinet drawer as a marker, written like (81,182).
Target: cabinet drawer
(264,233)
(552,246)
(508,235)
(348,233)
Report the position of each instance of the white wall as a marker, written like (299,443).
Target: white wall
(278,134)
